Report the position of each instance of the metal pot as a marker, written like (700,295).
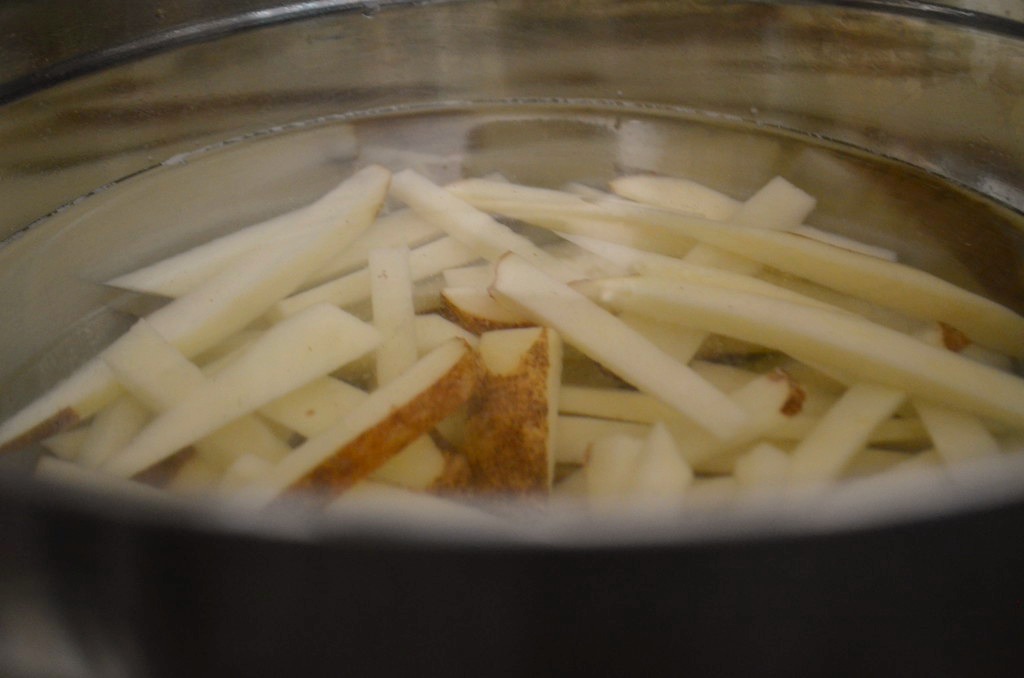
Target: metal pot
(182,121)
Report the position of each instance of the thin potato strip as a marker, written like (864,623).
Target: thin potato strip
(472,227)
(778,205)
(67,445)
(885,283)
(683,195)
(614,345)
(215,310)
(388,420)
(957,436)
(290,354)
(424,262)
(111,430)
(842,432)
(312,409)
(393,313)
(180,274)
(856,347)
(575,435)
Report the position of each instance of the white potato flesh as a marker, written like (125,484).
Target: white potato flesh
(885,283)
(957,436)
(777,206)
(476,311)
(611,466)
(676,193)
(451,370)
(610,342)
(868,352)
(424,262)
(311,409)
(472,227)
(66,445)
(381,499)
(70,473)
(432,330)
(762,466)
(182,273)
(894,431)
(607,403)
(416,467)
(393,313)
(290,354)
(479,276)
(842,432)
(661,473)
(160,377)
(243,471)
(111,430)
(213,311)
(575,435)
(681,343)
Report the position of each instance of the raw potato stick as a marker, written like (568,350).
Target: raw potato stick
(424,261)
(610,342)
(842,432)
(290,354)
(181,273)
(311,409)
(394,317)
(388,420)
(957,436)
(111,430)
(854,346)
(779,205)
(393,313)
(160,377)
(661,475)
(885,283)
(510,433)
(575,435)
(475,311)
(472,227)
(215,310)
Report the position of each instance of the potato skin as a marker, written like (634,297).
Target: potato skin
(507,434)
(416,417)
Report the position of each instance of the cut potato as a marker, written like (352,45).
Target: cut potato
(614,345)
(611,466)
(510,433)
(842,432)
(888,284)
(182,273)
(575,435)
(779,205)
(762,466)
(111,429)
(393,313)
(432,330)
(418,466)
(661,474)
(477,312)
(67,445)
(306,346)
(957,436)
(859,348)
(214,310)
(382,425)
(424,262)
(675,193)
(472,227)
(311,409)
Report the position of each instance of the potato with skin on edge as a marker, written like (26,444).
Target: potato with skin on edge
(512,416)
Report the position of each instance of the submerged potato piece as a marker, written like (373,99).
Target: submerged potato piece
(475,311)
(472,227)
(424,262)
(311,409)
(610,468)
(382,425)
(613,344)
(111,430)
(842,432)
(888,284)
(957,436)
(575,435)
(510,432)
(661,474)
(213,311)
(854,346)
(290,354)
